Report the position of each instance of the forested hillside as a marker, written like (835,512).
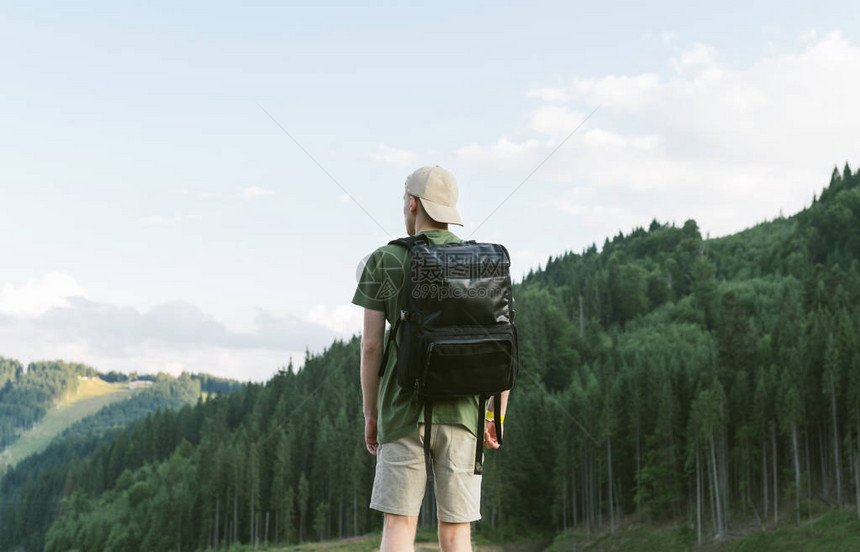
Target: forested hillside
(665,377)
(25,396)
(166,393)
(39,481)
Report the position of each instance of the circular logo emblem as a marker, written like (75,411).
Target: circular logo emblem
(383,278)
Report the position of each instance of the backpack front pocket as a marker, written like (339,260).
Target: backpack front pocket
(457,365)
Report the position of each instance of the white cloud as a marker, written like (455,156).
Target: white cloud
(245,364)
(625,92)
(555,120)
(342,319)
(726,146)
(393,156)
(506,155)
(809,36)
(38,295)
(40,321)
(253,192)
(700,57)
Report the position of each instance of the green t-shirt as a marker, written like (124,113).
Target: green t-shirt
(382,287)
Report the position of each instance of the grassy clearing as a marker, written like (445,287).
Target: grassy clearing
(90,397)
(638,539)
(835,530)
(830,530)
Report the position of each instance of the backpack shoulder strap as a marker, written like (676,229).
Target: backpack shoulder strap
(408,242)
(387,350)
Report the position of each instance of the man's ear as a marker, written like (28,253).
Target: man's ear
(413,204)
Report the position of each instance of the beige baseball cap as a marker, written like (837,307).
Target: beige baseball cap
(437,189)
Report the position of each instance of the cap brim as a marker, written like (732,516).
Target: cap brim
(442,213)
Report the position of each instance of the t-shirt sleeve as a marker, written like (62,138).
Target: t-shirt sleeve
(367,292)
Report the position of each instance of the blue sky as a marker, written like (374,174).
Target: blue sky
(152,216)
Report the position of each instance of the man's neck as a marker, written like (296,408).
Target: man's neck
(423,224)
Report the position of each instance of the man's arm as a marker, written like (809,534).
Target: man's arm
(371,355)
(490,438)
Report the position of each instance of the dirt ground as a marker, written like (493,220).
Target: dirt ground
(521,547)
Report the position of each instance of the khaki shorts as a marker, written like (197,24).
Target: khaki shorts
(401,477)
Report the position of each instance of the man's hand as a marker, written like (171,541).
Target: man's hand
(497,411)
(490,439)
(370,435)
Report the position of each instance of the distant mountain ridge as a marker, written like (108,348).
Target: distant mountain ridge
(162,394)
(26,395)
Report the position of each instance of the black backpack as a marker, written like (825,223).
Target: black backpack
(458,336)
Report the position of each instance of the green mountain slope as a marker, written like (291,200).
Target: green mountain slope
(43,476)
(91,395)
(27,395)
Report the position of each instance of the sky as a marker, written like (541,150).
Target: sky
(193,186)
